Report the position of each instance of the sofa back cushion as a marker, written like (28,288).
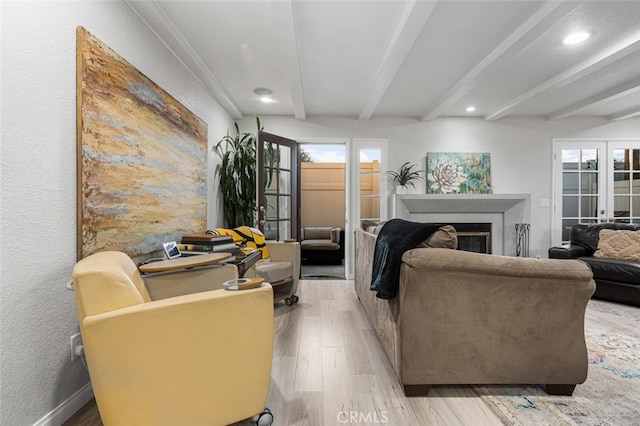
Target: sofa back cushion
(317,233)
(619,244)
(445,237)
(587,235)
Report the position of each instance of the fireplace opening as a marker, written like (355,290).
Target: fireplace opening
(475,237)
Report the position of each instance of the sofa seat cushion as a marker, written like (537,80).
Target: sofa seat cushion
(273,272)
(319,245)
(613,270)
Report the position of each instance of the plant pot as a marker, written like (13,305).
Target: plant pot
(401,189)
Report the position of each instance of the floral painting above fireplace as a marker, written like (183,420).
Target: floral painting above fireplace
(459,173)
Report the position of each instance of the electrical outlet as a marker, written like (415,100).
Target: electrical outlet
(76,342)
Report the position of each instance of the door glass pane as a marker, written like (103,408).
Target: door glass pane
(271,206)
(284,182)
(570,206)
(284,158)
(621,183)
(271,230)
(569,183)
(621,207)
(285,230)
(270,181)
(285,207)
(589,207)
(589,159)
(589,183)
(566,228)
(570,159)
(620,159)
(635,184)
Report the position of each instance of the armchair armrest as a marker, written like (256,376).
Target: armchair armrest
(286,252)
(210,352)
(335,235)
(567,251)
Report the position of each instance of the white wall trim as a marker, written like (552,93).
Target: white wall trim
(68,408)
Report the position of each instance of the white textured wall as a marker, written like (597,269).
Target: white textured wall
(521,148)
(38,160)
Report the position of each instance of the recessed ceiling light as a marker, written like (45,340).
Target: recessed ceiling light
(263,91)
(576,37)
(471,108)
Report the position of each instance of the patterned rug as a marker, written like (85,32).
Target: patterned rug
(611,394)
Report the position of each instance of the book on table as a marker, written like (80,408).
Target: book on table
(208,243)
(206,239)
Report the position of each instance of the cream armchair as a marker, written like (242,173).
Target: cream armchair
(201,358)
(282,270)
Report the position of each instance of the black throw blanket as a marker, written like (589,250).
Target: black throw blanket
(395,237)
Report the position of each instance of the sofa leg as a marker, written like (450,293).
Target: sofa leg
(560,389)
(416,390)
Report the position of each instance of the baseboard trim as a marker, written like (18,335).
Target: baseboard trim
(68,408)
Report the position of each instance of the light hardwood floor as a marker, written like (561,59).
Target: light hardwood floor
(330,369)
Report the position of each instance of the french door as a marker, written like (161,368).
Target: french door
(595,181)
(278,187)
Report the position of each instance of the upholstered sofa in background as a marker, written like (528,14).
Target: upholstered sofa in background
(470,318)
(616,279)
(322,245)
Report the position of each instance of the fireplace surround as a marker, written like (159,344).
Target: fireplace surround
(502,211)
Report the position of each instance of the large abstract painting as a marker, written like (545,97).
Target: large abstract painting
(141,157)
(459,173)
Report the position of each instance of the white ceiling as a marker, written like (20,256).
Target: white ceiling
(421,59)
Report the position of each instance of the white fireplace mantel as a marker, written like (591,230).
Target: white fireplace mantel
(503,211)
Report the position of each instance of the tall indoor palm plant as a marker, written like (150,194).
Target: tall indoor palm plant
(237,173)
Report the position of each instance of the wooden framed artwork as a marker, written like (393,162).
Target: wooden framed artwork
(459,173)
(141,157)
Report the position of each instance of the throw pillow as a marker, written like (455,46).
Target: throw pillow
(618,244)
(445,237)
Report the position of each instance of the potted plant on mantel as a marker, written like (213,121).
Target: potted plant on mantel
(238,177)
(404,177)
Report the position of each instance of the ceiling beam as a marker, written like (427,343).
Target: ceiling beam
(600,99)
(633,112)
(603,58)
(152,14)
(285,28)
(544,18)
(413,19)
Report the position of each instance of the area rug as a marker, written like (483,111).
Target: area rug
(611,394)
